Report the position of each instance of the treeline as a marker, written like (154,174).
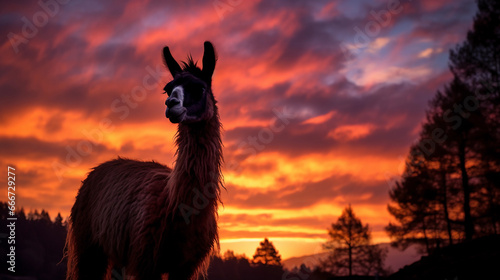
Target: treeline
(238,267)
(450,189)
(40,249)
(40,252)
(39,244)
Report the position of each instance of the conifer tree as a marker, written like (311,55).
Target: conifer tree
(267,254)
(350,248)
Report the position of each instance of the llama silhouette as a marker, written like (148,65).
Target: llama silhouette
(147,217)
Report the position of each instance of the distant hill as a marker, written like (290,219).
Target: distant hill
(308,260)
(395,260)
(477,259)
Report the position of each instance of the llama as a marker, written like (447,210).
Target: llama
(148,218)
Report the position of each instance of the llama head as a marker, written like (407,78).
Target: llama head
(190,97)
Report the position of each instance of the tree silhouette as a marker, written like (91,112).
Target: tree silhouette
(450,190)
(350,247)
(58,221)
(21,215)
(44,216)
(443,195)
(462,142)
(421,204)
(33,215)
(477,60)
(477,63)
(39,245)
(229,255)
(237,267)
(267,254)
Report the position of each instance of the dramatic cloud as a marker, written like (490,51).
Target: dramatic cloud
(320,100)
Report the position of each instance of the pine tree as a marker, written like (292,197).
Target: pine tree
(350,247)
(21,214)
(58,220)
(417,205)
(33,215)
(45,217)
(229,255)
(477,60)
(267,254)
(450,190)
(477,63)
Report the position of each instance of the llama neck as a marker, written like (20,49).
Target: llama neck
(196,178)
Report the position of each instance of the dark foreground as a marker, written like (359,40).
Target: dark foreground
(40,245)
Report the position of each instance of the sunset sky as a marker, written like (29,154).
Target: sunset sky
(81,83)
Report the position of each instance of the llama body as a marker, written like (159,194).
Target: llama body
(148,218)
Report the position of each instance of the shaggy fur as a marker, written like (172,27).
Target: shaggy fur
(146,217)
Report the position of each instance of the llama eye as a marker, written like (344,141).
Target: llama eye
(195,92)
(168,88)
(198,93)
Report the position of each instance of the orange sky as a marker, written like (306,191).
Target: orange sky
(85,87)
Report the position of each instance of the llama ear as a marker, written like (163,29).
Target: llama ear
(172,65)
(209,59)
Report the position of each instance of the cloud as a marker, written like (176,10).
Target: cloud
(350,132)
(335,189)
(33,148)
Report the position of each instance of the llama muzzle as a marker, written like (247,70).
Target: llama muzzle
(176,114)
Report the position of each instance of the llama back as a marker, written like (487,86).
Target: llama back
(115,201)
